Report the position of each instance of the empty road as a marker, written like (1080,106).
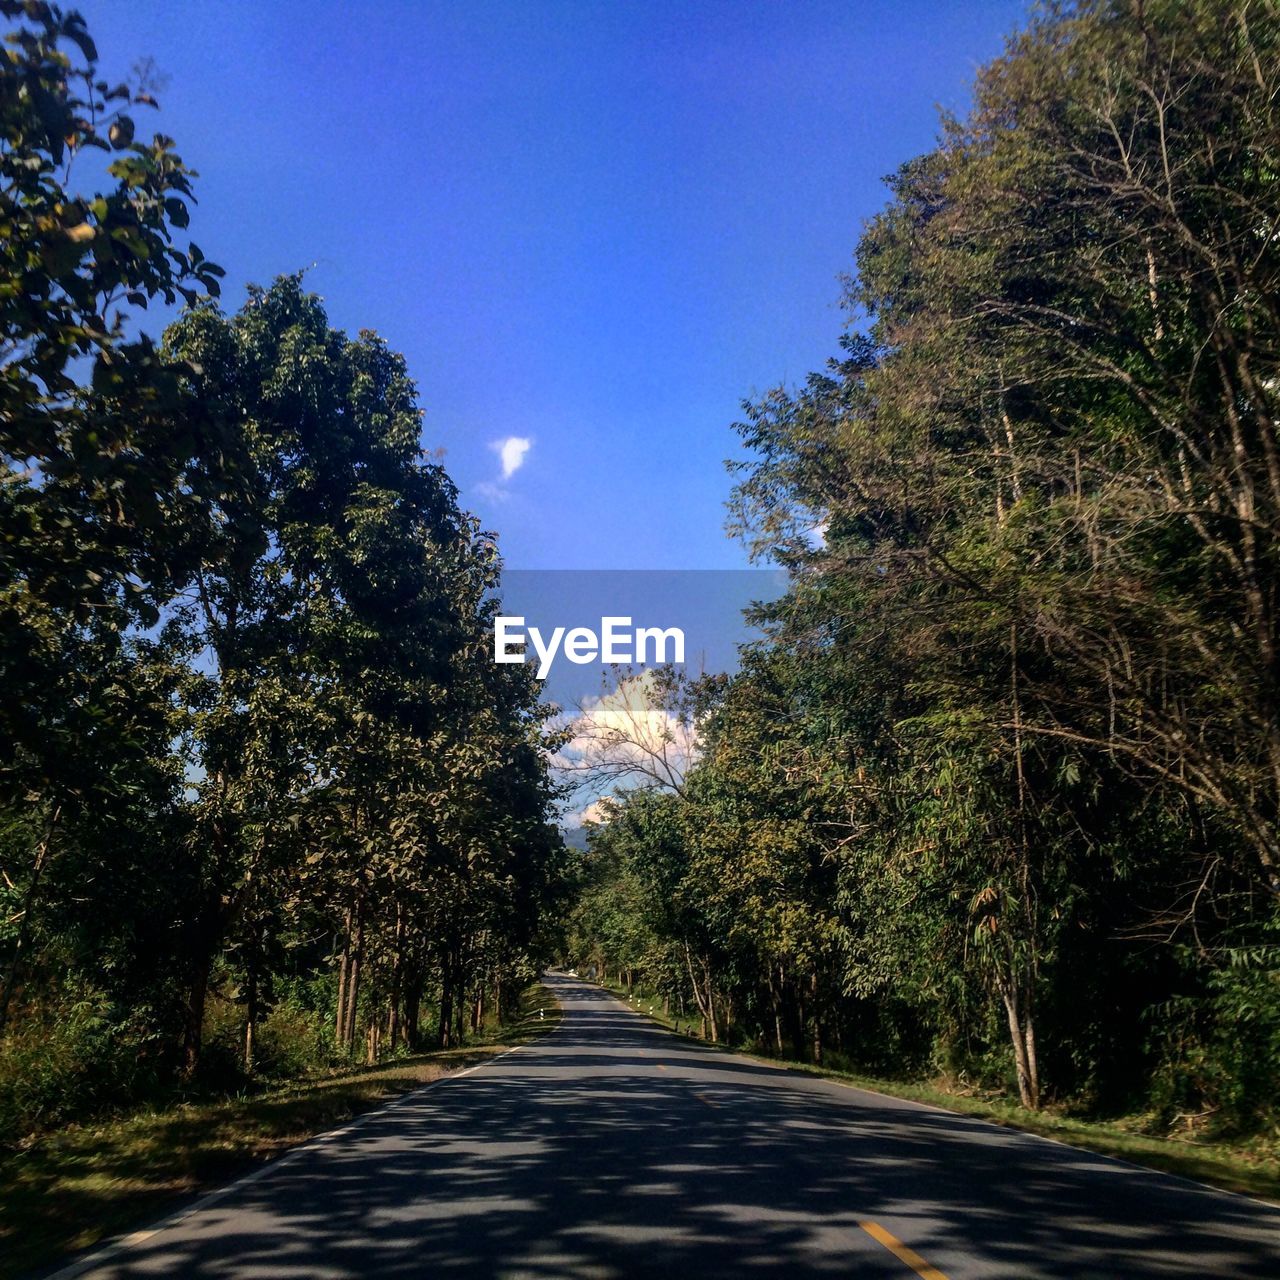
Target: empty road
(611,1148)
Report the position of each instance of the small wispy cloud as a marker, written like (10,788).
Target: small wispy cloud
(512,452)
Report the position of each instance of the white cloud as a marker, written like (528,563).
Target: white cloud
(629,734)
(596,812)
(512,451)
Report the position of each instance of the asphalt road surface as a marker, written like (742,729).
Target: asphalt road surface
(611,1148)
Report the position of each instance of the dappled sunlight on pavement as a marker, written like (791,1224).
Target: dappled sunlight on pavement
(611,1148)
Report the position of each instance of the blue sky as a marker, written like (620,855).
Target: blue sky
(593,227)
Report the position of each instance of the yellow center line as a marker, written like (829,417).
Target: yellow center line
(702,1097)
(901,1251)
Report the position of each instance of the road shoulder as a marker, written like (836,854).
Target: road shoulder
(1249,1171)
(69,1192)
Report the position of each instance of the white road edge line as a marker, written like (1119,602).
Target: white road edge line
(104,1253)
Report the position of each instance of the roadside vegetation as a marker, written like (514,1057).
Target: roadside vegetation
(993,807)
(75,1187)
(995,802)
(267,806)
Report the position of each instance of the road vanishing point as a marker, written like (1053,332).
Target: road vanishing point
(612,1148)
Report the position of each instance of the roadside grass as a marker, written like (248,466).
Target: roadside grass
(66,1191)
(1250,1166)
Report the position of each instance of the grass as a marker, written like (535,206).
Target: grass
(69,1190)
(1250,1166)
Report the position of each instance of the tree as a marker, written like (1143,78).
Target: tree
(95,507)
(1016,710)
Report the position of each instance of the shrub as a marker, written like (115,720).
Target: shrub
(74,1061)
(1220,1049)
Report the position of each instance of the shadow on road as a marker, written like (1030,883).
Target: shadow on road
(613,1149)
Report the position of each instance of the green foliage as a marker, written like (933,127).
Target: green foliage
(1218,1046)
(82,1057)
(262,792)
(95,435)
(997,796)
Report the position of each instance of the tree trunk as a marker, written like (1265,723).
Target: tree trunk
(250,1015)
(460,1008)
(1033,1066)
(339,1017)
(353,984)
(817,1020)
(412,1007)
(193,1032)
(353,1002)
(707,1013)
(775,1003)
(1022,1034)
(711,1000)
(397,980)
(446,1003)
